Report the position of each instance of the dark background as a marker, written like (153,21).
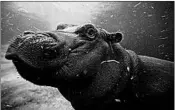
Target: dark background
(148,27)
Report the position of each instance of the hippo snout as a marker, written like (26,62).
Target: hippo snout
(35,48)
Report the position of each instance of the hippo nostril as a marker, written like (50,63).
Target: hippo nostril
(28,32)
(46,34)
(50,34)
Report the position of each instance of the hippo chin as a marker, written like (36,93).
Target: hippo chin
(92,70)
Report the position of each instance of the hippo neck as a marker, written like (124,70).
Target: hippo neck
(131,86)
(122,57)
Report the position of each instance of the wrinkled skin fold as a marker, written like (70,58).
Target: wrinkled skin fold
(92,70)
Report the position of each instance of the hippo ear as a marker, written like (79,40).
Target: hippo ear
(117,37)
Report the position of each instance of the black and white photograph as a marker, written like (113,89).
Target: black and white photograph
(93,55)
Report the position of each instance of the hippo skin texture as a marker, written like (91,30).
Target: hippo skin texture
(92,70)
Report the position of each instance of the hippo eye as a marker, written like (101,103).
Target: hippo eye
(91,33)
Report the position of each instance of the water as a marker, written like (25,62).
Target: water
(148,29)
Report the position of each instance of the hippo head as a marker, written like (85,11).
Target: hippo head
(84,54)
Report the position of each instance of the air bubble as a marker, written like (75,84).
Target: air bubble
(132,77)
(69,49)
(117,100)
(85,72)
(41,47)
(128,69)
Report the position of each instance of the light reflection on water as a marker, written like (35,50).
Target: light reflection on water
(67,12)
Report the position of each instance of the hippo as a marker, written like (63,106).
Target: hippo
(92,70)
